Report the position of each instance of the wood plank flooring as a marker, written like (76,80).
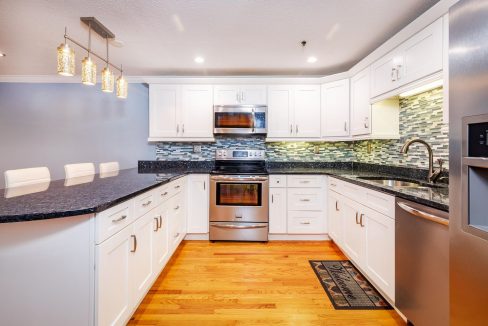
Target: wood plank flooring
(227,283)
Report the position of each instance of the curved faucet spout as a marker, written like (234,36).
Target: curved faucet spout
(406,146)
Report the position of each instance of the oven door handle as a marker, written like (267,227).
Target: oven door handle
(234,226)
(228,178)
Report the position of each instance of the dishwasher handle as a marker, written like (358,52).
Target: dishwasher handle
(422,214)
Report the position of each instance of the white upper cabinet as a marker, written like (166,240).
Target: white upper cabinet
(197,111)
(240,95)
(164,104)
(360,103)
(307,111)
(280,111)
(418,57)
(335,109)
(180,112)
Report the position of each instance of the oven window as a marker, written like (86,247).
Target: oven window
(239,194)
(233,120)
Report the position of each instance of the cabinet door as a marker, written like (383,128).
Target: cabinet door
(160,246)
(197,111)
(113,294)
(307,111)
(197,212)
(280,111)
(360,104)
(335,109)
(277,210)
(253,94)
(164,105)
(379,249)
(386,73)
(141,265)
(423,53)
(353,233)
(336,227)
(226,95)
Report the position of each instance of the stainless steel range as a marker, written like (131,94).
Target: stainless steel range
(239,196)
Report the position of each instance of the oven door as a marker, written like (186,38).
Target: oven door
(244,119)
(239,198)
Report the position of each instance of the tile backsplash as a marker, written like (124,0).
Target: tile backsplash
(420,116)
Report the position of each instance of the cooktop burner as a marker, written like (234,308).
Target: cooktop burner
(247,162)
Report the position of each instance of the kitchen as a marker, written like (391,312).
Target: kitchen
(335,174)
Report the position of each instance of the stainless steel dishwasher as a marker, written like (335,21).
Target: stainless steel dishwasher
(422,263)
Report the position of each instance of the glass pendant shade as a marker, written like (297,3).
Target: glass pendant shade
(66,60)
(107,80)
(122,87)
(88,71)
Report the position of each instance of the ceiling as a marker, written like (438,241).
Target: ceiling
(236,37)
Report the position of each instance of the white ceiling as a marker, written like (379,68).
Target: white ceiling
(236,37)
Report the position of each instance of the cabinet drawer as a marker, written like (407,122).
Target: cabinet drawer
(166,191)
(112,220)
(300,222)
(308,199)
(144,203)
(277,181)
(304,181)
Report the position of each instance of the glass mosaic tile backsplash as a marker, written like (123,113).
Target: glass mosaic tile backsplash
(420,116)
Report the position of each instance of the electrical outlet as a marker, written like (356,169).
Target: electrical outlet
(197,148)
(316,149)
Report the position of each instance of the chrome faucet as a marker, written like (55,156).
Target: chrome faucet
(433,175)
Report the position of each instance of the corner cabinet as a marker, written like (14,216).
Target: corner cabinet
(360,103)
(335,109)
(180,112)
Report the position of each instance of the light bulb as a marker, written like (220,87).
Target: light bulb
(66,60)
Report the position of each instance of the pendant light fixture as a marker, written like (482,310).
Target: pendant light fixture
(88,67)
(66,60)
(122,86)
(107,76)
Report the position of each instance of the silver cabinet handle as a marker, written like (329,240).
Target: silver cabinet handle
(291,129)
(183,128)
(164,194)
(157,224)
(147,203)
(333,185)
(176,208)
(357,218)
(361,220)
(233,226)
(237,96)
(398,75)
(345,125)
(366,124)
(422,214)
(337,208)
(177,187)
(177,235)
(272,198)
(305,199)
(160,221)
(296,129)
(305,223)
(305,181)
(177,128)
(243,98)
(204,185)
(134,238)
(393,74)
(123,217)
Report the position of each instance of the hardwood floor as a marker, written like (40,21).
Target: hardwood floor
(226,283)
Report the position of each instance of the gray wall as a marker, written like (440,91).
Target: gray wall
(56,124)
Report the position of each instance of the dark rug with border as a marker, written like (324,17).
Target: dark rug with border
(346,287)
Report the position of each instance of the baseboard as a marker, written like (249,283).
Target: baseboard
(298,237)
(196,236)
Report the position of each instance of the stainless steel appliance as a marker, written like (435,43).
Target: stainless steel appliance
(468,160)
(239,190)
(421,263)
(240,119)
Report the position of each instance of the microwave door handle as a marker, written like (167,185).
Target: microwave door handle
(253,120)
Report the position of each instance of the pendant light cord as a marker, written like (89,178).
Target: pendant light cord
(89,39)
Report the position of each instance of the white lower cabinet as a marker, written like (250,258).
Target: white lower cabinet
(198,192)
(130,259)
(277,211)
(362,223)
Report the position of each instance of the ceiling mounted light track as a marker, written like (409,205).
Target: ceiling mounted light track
(66,60)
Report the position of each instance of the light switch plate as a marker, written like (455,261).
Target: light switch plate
(197,148)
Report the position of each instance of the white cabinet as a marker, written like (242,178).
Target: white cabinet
(240,94)
(360,103)
(353,233)
(335,109)
(180,112)
(177,221)
(160,246)
(198,200)
(294,111)
(336,228)
(418,57)
(277,211)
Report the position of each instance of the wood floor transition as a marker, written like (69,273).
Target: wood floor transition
(227,283)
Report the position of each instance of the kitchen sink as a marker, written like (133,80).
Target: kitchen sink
(401,183)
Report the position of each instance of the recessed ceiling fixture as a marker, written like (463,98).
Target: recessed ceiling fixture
(199,59)
(66,60)
(311,59)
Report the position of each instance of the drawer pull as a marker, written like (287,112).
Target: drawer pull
(337,207)
(147,203)
(135,243)
(176,208)
(177,187)
(305,181)
(160,221)
(157,224)
(177,235)
(164,194)
(305,223)
(305,199)
(333,185)
(123,217)
(277,181)
(361,220)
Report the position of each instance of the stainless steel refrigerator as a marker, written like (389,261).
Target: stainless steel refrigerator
(468,160)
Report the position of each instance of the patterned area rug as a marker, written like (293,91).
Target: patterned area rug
(346,287)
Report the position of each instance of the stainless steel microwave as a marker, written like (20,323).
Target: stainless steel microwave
(240,119)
